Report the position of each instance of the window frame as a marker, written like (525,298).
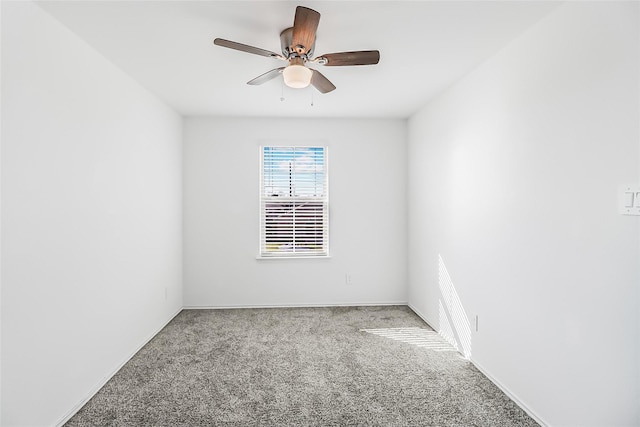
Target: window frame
(263,199)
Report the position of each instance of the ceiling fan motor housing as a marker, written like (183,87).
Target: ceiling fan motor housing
(286,43)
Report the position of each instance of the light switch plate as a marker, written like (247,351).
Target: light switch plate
(629,199)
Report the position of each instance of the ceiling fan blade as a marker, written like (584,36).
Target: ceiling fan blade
(246,48)
(320,82)
(362,57)
(263,78)
(305,25)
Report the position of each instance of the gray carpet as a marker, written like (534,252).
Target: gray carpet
(299,367)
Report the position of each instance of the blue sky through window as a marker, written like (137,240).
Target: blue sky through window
(293,171)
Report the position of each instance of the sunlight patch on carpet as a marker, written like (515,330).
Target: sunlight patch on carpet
(415,336)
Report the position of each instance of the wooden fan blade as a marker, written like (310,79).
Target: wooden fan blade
(321,83)
(263,78)
(362,57)
(305,25)
(246,48)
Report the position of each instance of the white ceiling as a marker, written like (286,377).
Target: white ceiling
(425,46)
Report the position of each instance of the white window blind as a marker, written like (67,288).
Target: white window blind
(294,202)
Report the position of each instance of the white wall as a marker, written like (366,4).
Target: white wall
(367,163)
(513,180)
(91,217)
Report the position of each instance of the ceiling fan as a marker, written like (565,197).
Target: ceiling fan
(298,43)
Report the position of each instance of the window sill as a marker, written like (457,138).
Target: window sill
(260,258)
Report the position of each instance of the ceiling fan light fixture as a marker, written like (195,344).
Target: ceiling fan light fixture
(297,76)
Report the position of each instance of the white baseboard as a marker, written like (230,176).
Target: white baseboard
(511,395)
(423,317)
(102,382)
(486,373)
(232,306)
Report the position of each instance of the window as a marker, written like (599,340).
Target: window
(294,202)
